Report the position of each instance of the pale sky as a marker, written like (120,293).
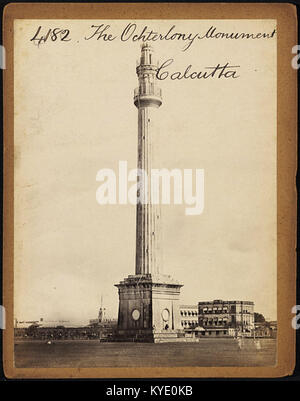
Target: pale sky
(74,115)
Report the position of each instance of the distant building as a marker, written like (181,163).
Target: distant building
(100,328)
(273,328)
(102,319)
(100,331)
(188,316)
(104,326)
(226,318)
(266,329)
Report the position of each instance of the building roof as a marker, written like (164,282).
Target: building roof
(220,301)
(188,306)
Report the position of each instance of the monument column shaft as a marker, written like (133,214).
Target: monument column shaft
(148,217)
(147,99)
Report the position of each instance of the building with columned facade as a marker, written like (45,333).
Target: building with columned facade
(226,318)
(189,316)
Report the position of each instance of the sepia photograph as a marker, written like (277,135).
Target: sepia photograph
(145,193)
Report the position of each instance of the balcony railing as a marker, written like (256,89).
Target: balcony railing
(147,90)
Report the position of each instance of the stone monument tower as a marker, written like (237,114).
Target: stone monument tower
(148,300)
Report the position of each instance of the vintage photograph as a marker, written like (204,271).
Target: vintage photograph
(145,193)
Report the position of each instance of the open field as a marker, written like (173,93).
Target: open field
(83,354)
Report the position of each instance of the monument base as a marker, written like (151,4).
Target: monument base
(148,309)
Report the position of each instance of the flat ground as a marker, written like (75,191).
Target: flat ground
(92,353)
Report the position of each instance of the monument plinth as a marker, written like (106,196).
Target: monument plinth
(148,300)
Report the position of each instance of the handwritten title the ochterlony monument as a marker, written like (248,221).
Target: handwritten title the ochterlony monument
(148,300)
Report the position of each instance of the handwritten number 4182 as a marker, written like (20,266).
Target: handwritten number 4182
(52,34)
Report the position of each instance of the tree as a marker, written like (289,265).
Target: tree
(259,318)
